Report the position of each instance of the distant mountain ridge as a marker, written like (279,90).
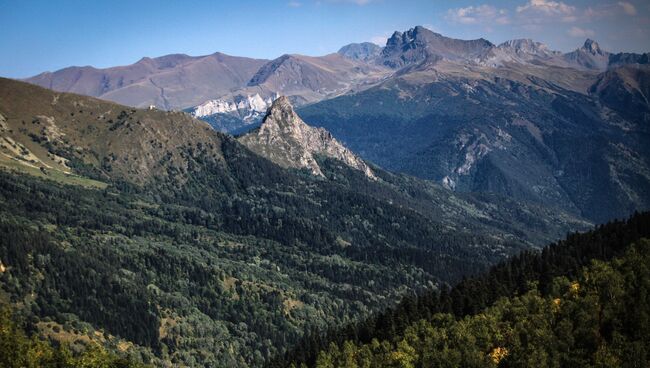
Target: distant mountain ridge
(174,81)
(179,81)
(517,119)
(422,45)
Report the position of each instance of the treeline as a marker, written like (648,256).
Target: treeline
(530,270)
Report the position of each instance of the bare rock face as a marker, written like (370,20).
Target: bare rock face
(286,140)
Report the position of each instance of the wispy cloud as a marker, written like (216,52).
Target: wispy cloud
(294,4)
(580,32)
(628,7)
(547,7)
(478,15)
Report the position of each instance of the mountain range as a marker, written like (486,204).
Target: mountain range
(515,119)
(469,114)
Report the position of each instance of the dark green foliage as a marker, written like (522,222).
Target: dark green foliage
(228,262)
(18,350)
(127,264)
(601,319)
(472,295)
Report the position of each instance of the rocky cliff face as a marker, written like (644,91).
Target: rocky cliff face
(286,140)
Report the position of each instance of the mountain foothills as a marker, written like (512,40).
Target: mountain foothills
(152,235)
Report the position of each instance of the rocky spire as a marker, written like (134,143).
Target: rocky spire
(592,47)
(286,140)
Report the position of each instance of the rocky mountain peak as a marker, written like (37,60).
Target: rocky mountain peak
(282,105)
(289,142)
(419,45)
(592,47)
(589,56)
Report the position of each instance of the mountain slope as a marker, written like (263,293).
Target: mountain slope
(626,90)
(195,251)
(170,82)
(303,79)
(307,79)
(597,318)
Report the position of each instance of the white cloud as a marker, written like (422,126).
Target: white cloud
(477,15)
(580,32)
(294,4)
(628,8)
(546,7)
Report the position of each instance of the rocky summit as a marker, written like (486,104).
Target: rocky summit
(287,141)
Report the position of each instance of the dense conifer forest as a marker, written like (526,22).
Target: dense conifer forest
(521,288)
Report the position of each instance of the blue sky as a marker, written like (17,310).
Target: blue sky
(37,36)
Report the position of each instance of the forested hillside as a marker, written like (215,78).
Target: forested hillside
(601,318)
(19,350)
(160,239)
(531,273)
